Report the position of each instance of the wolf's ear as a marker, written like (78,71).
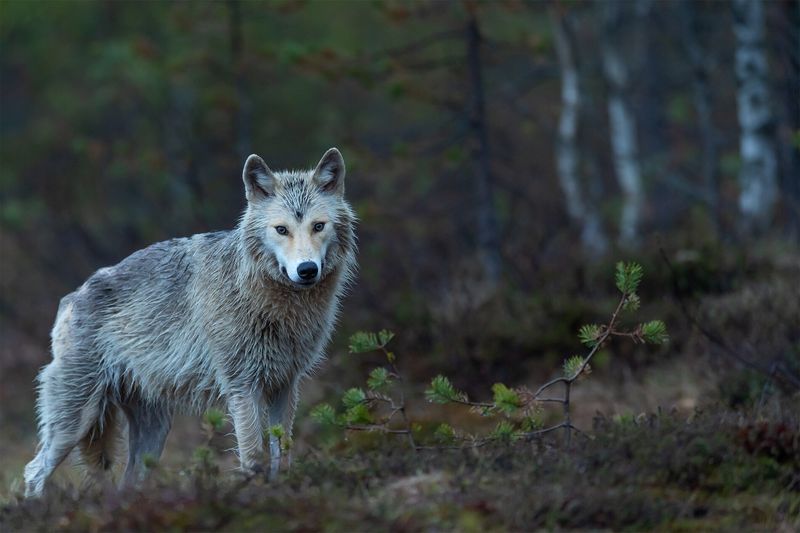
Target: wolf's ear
(329,174)
(259,181)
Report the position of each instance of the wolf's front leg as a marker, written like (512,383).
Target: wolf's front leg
(247,410)
(281,412)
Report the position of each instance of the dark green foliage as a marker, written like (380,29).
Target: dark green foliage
(628,276)
(358,414)
(504,432)
(362,341)
(324,414)
(379,379)
(442,391)
(655,332)
(572,365)
(353,397)
(506,400)
(589,334)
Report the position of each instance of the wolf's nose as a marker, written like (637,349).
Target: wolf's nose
(307,270)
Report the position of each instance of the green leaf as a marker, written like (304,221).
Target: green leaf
(378,379)
(505,399)
(504,432)
(324,414)
(363,341)
(353,397)
(655,332)
(589,334)
(572,365)
(628,276)
(444,434)
(442,391)
(358,414)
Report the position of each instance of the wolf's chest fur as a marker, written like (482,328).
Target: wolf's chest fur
(279,339)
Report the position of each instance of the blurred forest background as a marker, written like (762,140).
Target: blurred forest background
(502,156)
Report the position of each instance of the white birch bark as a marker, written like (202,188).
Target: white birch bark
(622,128)
(759,163)
(567,153)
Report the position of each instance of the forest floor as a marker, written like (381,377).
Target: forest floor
(716,470)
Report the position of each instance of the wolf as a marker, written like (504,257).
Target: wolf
(234,318)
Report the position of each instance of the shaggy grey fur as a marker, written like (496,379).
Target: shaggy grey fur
(213,319)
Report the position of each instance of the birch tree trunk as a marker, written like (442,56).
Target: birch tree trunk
(622,125)
(488,239)
(567,152)
(759,165)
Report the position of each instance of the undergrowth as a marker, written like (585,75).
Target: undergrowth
(712,471)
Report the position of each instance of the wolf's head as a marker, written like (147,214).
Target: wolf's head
(297,226)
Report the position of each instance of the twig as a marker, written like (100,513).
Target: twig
(401,408)
(376,427)
(531,434)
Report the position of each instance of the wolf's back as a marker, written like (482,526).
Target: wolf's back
(140,317)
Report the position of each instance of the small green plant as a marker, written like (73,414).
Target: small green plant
(213,423)
(518,409)
(277,432)
(442,391)
(381,407)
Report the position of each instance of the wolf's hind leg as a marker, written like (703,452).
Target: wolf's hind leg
(67,410)
(98,446)
(148,426)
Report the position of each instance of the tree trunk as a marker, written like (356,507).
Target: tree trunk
(488,241)
(693,30)
(650,93)
(622,125)
(759,164)
(567,153)
(242,119)
(789,49)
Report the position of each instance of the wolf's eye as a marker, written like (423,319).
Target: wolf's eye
(281,230)
(318,226)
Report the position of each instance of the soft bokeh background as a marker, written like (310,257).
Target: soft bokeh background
(126,123)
